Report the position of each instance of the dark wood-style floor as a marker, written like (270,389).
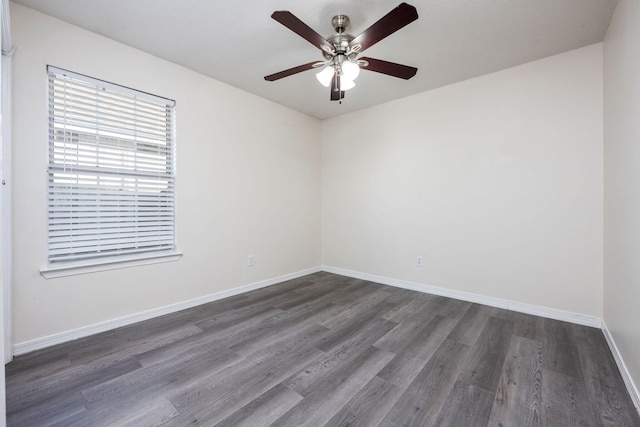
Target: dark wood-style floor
(326,350)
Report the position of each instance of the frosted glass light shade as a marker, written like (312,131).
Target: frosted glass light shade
(350,70)
(346,84)
(325,76)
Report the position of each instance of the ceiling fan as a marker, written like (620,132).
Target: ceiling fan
(341,65)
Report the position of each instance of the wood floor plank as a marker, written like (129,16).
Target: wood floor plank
(359,292)
(406,307)
(210,399)
(452,308)
(160,378)
(424,398)
(38,362)
(250,334)
(368,406)
(559,332)
(29,371)
(122,346)
(528,326)
(311,294)
(518,400)
(415,351)
(562,358)
(373,301)
(560,350)
(237,323)
(329,394)
(57,387)
(278,327)
(151,411)
(365,329)
(264,410)
(404,335)
(488,354)
(566,402)
(468,329)
(49,411)
(151,414)
(467,405)
(326,350)
(207,343)
(269,292)
(314,373)
(229,318)
(398,300)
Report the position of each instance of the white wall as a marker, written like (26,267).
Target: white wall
(622,183)
(248,183)
(496,181)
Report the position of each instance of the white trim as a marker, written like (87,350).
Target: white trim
(7,183)
(537,310)
(554,313)
(108,264)
(39,343)
(634,392)
(5,202)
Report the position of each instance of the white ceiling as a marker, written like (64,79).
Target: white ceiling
(238,43)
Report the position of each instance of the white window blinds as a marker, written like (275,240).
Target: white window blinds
(111,170)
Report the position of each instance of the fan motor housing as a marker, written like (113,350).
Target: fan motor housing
(340,42)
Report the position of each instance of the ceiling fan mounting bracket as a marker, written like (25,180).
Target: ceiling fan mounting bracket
(341,23)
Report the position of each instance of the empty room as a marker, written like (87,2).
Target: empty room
(286,213)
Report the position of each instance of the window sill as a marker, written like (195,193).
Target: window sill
(52,272)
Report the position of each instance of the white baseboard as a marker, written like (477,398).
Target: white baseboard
(622,367)
(39,343)
(553,313)
(537,310)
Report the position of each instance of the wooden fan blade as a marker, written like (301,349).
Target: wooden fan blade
(290,71)
(390,68)
(402,15)
(293,23)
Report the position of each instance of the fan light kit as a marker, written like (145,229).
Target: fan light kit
(341,65)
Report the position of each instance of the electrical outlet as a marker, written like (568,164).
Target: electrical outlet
(251,261)
(419,261)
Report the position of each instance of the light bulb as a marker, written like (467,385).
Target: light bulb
(350,70)
(325,76)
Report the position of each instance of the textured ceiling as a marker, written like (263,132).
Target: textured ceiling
(238,43)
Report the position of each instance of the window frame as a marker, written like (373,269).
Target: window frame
(137,173)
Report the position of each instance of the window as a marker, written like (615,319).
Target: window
(111,172)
